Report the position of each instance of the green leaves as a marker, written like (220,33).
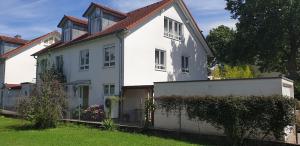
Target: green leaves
(239,117)
(233,72)
(220,39)
(267,35)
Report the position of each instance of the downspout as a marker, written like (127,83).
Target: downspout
(121,35)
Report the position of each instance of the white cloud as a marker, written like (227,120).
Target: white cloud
(129,5)
(19,9)
(27,32)
(206,27)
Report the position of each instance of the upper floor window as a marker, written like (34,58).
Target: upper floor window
(84,60)
(67,34)
(160,59)
(59,63)
(95,22)
(172,29)
(185,64)
(109,90)
(109,56)
(43,65)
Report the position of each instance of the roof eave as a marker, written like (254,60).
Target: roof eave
(209,51)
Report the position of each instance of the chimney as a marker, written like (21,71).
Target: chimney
(18,36)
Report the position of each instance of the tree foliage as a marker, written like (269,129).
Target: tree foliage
(220,39)
(238,117)
(268,34)
(232,72)
(46,104)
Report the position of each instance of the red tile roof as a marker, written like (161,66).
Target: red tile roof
(13,86)
(24,47)
(82,22)
(132,19)
(12,40)
(105,9)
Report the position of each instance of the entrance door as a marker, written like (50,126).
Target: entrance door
(84,95)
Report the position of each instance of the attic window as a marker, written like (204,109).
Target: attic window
(95,22)
(172,29)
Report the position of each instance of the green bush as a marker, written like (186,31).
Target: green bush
(44,108)
(108,124)
(239,117)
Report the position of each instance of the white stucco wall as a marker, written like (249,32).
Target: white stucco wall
(256,87)
(21,68)
(97,73)
(248,87)
(139,52)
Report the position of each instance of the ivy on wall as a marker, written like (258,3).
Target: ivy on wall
(239,117)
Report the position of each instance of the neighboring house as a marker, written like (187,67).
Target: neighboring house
(9,43)
(123,54)
(18,67)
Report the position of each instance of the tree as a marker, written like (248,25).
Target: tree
(268,34)
(220,39)
(46,104)
(233,72)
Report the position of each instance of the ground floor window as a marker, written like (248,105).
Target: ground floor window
(109,90)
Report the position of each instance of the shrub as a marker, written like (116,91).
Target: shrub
(108,124)
(239,117)
(46,104)
(94,113)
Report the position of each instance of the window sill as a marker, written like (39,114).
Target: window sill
(83,70)
(172,38)
(161,70)
(108,67)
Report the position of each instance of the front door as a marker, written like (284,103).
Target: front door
(84,95)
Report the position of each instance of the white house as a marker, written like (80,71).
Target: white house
(115,53)
(18,67)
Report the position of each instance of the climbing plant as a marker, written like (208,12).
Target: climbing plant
(239,117)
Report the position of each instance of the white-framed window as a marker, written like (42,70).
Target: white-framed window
(172,29)
(109,90)
(67,34)
(84,60)
(160,59)
(43,65)
(59,63)
(95,22)
(185,64)
(109,56)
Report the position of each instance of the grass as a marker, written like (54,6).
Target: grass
(14,132)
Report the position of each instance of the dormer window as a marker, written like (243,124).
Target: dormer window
(67,34)
(101,17)
(72,28)
(95,22)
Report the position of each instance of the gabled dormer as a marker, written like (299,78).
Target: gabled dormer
(72,28)
(101,17)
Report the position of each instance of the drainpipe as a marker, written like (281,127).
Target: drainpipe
(121,35)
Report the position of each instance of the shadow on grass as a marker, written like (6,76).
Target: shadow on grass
(26,127)
(198,139)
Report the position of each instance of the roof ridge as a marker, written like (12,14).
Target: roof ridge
(133,11)
(74,17)
(13,39)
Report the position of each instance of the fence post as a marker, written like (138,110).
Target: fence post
(79,112)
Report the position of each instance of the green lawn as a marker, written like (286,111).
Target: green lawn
(12,133)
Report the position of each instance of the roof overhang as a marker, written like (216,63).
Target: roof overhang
(194,25)
(103,8)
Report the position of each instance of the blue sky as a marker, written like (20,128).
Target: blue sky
(32,18)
